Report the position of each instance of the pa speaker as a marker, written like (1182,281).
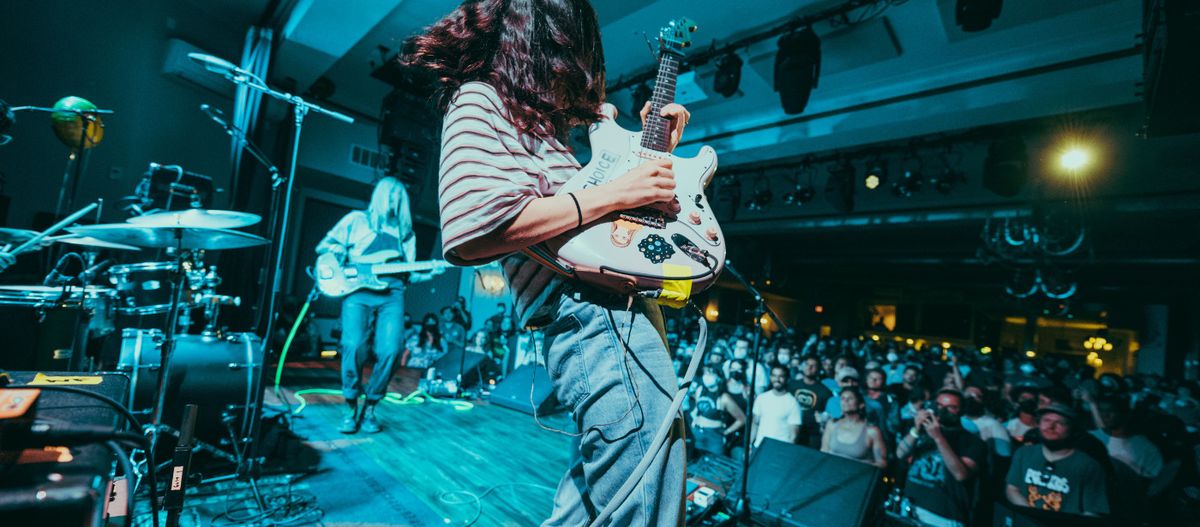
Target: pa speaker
(515,391)
(459,362)
(794,486)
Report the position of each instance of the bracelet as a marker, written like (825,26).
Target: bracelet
(578,210)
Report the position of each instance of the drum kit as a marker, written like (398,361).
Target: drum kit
(220,372)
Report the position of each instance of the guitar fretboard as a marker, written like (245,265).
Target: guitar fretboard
(654,133)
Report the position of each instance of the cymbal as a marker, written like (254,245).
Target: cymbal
(87,241)
(15,236)
(166,237)
(197,218)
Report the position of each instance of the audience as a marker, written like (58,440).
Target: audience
(852,436)
(1054,476)
(776,412)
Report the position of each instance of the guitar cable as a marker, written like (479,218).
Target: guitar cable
(662,434)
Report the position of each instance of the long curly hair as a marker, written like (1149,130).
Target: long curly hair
(543,57)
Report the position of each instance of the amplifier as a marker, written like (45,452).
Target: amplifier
(63,486)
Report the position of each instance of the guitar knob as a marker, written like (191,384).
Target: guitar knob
(711,233)
(694,217)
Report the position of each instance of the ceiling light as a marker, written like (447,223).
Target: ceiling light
(729,75)
(875,175)
(797,67)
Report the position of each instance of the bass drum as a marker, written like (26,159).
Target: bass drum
(222,376)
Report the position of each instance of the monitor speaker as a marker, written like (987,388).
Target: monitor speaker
(794,486)
(455,362)
(514,391)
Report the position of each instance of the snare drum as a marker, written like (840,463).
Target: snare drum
(94,301)
(220,375)
(145,288)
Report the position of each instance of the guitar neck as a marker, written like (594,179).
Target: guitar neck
(654,134)
(413,267)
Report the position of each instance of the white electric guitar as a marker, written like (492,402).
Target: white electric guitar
(636,251)
(335,278)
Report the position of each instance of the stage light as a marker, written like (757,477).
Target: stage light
(946,345)
(908,341)
(1108,347)
(839,188)
(800,195)
(819,309)
(760,199)
(985,350)
(1075,158)
(1006,167)
(875,338)
(729,75)
(1030,353)
(910,180)
(797,68)
(976,15)
(875,174)
(328,354)
(640,94)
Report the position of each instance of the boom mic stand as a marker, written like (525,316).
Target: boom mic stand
(761,308)
(300,109)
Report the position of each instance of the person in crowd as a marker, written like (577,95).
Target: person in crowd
(735,387)
(852,436)
(1024,420)
(812,395)
(977,417)
(894,368)
(713,409)
(741,352)
(903,417)
(426,346)
(1053,475)
(840,363)
(454,328)
(944,460)
(909,381)
(877,390)
(776,412)
(848,377)
(1115,430)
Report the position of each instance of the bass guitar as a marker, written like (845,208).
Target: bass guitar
(644,251)
(336,278)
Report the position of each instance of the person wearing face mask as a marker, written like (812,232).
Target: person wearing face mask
(1024,420)
(1054,476)
(977,419)
(943,463)
(893,368)
(812,395)
(741,352)
(426,346)
(716,415)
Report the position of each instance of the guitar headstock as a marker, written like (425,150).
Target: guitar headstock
(676,35)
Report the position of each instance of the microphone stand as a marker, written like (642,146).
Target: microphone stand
(249,146)
(300,109)
(761,308)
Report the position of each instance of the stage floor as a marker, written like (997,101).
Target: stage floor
(400,476)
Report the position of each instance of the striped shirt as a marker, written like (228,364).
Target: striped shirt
(488,175)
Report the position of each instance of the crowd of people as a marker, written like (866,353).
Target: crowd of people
(958,433)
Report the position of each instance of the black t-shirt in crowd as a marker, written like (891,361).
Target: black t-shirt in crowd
(1074,484)
(930,484)
(812,398)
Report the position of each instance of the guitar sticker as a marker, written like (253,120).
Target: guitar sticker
(623,232)
(655,248)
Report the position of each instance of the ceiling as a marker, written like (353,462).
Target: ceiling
(907,71)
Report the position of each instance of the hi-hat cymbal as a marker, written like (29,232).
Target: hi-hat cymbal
(88,241)
(166,237)
(197,218)
(15,236)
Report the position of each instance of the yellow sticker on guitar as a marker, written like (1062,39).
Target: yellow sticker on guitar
(675,293)
(41,379)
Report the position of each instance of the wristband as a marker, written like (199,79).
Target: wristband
(578,210)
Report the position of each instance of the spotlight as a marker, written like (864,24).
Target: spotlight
(875,175)
(839,188)
(760,200)
(801,195)
(641,93)
(1006,167)
(729,75)
(910,179)
(976,15)
(1075,158)
(797,67)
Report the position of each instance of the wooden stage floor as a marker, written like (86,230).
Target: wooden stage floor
(431,449)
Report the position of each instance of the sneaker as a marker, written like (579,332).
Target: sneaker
(369,424)
(349,422)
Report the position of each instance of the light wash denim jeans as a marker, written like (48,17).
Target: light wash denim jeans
(618,400)
(360,311)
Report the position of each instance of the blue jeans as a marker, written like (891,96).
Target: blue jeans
(360,311)
(618,399)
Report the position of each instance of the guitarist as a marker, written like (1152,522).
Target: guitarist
(385,225)
(517,76)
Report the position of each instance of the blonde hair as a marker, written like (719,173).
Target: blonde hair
(389,203)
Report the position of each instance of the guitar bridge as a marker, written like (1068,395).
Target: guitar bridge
(645,216)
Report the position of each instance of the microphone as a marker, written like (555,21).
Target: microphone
(217,64)
(90,273)
(56,277)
